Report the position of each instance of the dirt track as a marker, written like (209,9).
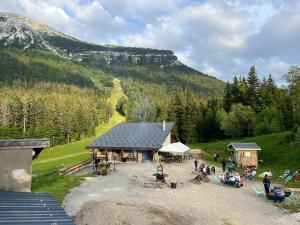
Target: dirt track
(115,199)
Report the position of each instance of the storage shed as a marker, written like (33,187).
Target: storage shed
(245,154)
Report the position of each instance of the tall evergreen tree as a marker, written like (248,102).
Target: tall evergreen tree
(176,114)
(190,119)
(235,90)
(227,99)
(243,90)
(253,89)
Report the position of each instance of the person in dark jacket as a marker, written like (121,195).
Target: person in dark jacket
(213,170)
(223,164)
(196,164)
(267,183)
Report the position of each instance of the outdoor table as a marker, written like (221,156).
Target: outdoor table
(131,158)
(160,177)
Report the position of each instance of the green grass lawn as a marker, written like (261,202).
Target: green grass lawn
(276,154)
(44,168)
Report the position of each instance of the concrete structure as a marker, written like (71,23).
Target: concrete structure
(133,141)
(245,154)
(15,162)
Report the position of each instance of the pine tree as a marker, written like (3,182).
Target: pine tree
(227,99)
(271,86)
(243,90)
(176,115)
(235,90)
(253,90)
(189,119)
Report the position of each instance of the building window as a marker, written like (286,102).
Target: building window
(247,154)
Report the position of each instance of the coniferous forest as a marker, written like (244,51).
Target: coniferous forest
(43,95)
(248,107)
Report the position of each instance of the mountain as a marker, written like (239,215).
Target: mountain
(24,33)
(33,52)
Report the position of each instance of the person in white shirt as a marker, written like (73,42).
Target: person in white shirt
(237,177)
(232,179)
(222,178)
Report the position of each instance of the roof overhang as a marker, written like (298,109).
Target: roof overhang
(36,143)
(122,148)
(232,146)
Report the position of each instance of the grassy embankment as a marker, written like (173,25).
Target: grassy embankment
(277,154)
(45,177)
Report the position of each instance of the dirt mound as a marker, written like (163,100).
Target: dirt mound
(123,213)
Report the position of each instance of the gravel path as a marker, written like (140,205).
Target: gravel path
(115,199)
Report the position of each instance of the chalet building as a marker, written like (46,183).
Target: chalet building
(245,154)
(133,141)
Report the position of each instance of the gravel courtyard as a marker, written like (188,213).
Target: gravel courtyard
(116,199)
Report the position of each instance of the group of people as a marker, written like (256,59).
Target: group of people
(276,193)
(203,171)
(202,168)
(231,179)
(289,175)
(249,173)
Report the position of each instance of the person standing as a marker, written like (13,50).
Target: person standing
(223,164)
(196,164)
(267,183)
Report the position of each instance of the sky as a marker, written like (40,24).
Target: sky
(222,38)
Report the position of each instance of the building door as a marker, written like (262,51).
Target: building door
(146,155)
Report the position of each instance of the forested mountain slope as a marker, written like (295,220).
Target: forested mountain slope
(35,55)
(142,64)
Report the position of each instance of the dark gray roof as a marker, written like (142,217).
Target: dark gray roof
(244,146)
(135,136)
(24,143)
(31,209)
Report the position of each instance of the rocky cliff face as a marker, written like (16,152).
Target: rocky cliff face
(21,32)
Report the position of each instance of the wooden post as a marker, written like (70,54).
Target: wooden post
(153,156)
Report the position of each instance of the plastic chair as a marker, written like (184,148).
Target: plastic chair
(259,192)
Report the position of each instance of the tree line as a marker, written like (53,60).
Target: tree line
(249,107)
(62,111)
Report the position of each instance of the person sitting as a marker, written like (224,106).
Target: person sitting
(286,174)
(238,180)
(230,181)
(222,178)
(237,177)
(246,172)
(278,194)
(204,171)
(251,175)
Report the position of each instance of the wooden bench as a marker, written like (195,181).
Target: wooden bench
(150,183)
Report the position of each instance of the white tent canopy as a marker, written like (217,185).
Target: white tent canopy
(177,148)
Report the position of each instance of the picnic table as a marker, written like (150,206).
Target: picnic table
(160,177)
(131,158)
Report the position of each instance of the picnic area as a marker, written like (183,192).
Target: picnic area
(129,196)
